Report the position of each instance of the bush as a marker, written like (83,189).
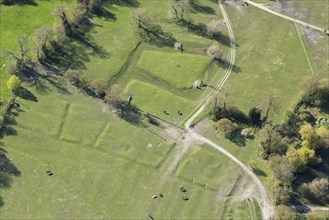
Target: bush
(215,52)
(319,189)
(99,87)
(255,116)
(72,76)
(227,126)
(283,212)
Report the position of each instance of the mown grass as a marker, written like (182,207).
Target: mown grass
(180,70)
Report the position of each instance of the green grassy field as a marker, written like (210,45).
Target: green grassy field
(105,166)
(270,56)
(154,100)
(180,70)
(21,21)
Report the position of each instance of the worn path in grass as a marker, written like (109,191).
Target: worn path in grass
(260,6)
(265,203)
(227,72)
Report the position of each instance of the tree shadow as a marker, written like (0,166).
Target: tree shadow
(197,8)
(70,55)
(9,121)
(259,172)
(7,171)
(129,113)
(87,40)
(237,138)
(21,2)
(26,94)
(124,3)
(107,15)
(42,80)
(201,30)
(223,63)
(2,203)
(154,35)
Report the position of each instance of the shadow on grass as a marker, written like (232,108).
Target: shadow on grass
(259,172)
(21,2)
(107,15)
(237,139)
(7,171)
(197,8)
(154,35)
(74,53)
(129,113)
(123,3)
(26,94)
(9,121)
(223,63)
(38,75)
(201,30)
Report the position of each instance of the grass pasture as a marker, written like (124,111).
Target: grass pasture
(180,70)
(103,165)
(270,56)
(155,100)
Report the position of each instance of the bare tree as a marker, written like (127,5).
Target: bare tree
(213,27)
(60,12)
(79,14)
(215,52)
(179,8)
(21,58)
(140,18)
(270,105)
(112,95)
(40,39)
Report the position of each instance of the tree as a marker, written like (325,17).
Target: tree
(213,27)
(300,158)
(13,83)
(270,105)
(92,6)
(323,134)
(60,12)
(282,192)
(282,212)
(21,58)
(10,69)
(178,46)
(223,99)
(79,14)
(40,39)
(271,141)
(309,137)
(72,76)
(59,31)
(282,169)
(112,95)
(140,18)
(255,116)
(98,86)
(309,86)
(227,126)
(214,52)
(319,189)
(179,8)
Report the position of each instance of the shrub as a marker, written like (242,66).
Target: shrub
(214,52)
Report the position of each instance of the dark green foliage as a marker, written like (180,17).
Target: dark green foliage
(255,116)
(291,125)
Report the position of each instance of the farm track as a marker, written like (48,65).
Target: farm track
(260,6)
(264,201)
